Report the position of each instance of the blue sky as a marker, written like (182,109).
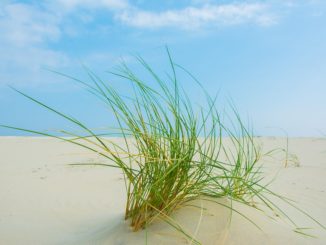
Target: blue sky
(269,56)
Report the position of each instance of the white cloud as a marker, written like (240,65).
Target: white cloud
(194,17)
(108,4)
(27,30)
(23,24)
(25,66)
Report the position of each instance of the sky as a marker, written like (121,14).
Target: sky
(268,56)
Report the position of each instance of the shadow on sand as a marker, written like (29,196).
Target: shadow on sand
(204,220)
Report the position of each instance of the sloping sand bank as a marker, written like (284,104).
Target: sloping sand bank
(46,201)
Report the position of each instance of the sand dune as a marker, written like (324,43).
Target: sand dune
(46,201)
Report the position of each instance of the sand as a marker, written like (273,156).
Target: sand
(46,201)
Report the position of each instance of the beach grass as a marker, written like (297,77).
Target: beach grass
(173,152)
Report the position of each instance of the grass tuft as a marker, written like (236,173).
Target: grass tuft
(173,152)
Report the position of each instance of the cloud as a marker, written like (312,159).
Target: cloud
(198,14)
(24,67)
(195,17)
(29,30)
(108,4)
(25,31)
(23,24)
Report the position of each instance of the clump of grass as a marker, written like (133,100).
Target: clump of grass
(172,153)
(289,158)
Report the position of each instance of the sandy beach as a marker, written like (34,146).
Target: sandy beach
(44,200)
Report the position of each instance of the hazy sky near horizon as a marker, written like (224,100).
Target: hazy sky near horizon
(268,56)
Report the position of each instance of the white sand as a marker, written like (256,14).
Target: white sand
(45,201)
